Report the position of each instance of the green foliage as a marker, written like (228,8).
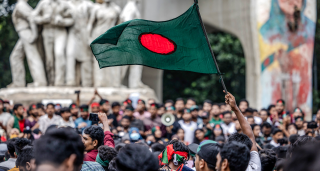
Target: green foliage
(316,90)
(231,61)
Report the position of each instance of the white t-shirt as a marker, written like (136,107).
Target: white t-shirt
(188,130)
(228,129)
(255,162)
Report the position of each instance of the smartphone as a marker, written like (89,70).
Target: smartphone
(77,92)
(93,117)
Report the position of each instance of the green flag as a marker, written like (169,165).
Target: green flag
(177,44)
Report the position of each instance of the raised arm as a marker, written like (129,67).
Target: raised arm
(245,126)
(108,140)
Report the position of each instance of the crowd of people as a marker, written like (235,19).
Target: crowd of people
(203,137)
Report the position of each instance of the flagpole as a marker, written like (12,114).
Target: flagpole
(214,58)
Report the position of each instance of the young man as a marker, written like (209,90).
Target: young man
(266,132)
(268,159)
(4,117)
(250,120)
(215,114)
(59,150)
(234,156)
(280,107)
(188,126)
(276,134)
(33,118)
(154,120)
(104,106)
(273,114)
(17,121)
(115,116)
(106,154)
(74,111)
(299,122)
(48,119)
(94,136)
(206,157)
(190,102)
(207,105)
(11,162)
(256,132)
(66,119)
(83,121)
(168,103)
(194,110)
(24,159)
(174,156)
(141,112)
(254,164)
(179,105)
(133,121)
(227,125)
(264,116)
(95,107)
(249,112)
(243,105)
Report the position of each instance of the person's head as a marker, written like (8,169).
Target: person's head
(292,129)
(161,110)
(24,159)
(104,105)
(115,106)
(65,113)
(59,148)
(272,111)
(264,115)
(215,111)
(205,117)
(125,122)
(268,159)
(179,105)
(198,135)
(18,110)
(129,111)
(156,131)
(186,115)
(266,128)
(153,109)
(234,156)
(175,146)
(157,147)
(95,107)
(243,105)
(227,117)
(297,113)
(134,134)
(256,130)
(280,105)
(248,112)
(11,148)
(92,137)
(141,107)
(50,109)
(105,155)
(293,138)
(207,105)
(250,119)
(277,134)
(180,134)
(33,110)
(299,122)
(150,139)
(301,140)
(19,144)
(241,138)
(190,102)
(135,157)
(84,111)
(74,109)
(217,130)
(206,157)
(168,103)
(194,110)
(150,101)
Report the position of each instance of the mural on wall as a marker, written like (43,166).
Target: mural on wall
(286,42)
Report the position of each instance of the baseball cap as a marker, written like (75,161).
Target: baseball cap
(204,115)
(194,107)
(193,148)
(103,101)
(209,151)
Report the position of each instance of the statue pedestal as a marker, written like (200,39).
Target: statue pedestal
(64,95)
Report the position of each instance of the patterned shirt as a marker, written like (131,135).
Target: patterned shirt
(91,166)
(45,122)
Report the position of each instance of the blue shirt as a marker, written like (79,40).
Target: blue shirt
(81,120)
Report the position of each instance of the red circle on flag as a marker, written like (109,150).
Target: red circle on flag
(157,43)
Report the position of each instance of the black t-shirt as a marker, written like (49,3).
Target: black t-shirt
(115,122)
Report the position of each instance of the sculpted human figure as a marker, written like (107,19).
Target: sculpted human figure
(131,12)
(78,50)
(54,16)
(26,46)
(104,15)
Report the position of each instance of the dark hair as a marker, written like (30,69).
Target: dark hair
(226,112)
(114,104)
(25,156)
(20,143)
(266,124)
(112,165)
(57,145)
(157,147)
(250,110)
(96,133)
(264,110)
(195,139)
(275,131)
(250,117)
(237,154)
(253,125)
(107,153)
(192,99)
(215,104)
(50,104)
(179,99)
(302,140)
(244,100)
(268,159)
(10,146)
(64,109)
(169,101)
(281,100)
(119,146)
(210,166)
(293,138)
(208,101)
(241,138)
(127,159)
(16,106)
(270,107)
(179,146)
(280,151)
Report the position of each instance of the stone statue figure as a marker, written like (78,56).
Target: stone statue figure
(78,50)
(131,12)
(26,46)
(54,16)
(104,15)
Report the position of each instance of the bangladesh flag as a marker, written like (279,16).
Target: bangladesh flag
(177,44)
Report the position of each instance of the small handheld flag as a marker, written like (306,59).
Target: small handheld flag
(177,44)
